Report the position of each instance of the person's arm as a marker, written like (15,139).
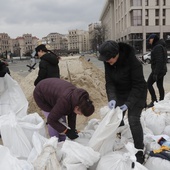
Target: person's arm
(110,87)
(139,88)
(42,73)
(60,109)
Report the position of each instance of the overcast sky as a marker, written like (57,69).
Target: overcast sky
(41,17)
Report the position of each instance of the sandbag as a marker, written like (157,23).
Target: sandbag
(12,98)
(102,139)
(9,162)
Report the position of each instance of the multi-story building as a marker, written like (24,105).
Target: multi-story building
(20,46)
(78,41)
(132,21)
(4,43)
(95,36)
(56,42)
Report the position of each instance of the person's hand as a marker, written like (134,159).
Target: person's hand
(72,134)
(112,104)
(123,107)
(155,77)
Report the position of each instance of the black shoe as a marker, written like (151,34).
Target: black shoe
(150,105)
(140,157)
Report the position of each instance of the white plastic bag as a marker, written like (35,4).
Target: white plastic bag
(14,137)
(9,162)
(32,123)
(12,98)
(78,154)
(102,139)
(120,160)
(154,163)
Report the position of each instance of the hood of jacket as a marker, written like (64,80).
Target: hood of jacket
(160,41)
(50,58)
(125,51)
(77,94)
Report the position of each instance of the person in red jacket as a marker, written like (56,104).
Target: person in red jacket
(61,98)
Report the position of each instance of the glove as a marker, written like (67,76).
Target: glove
(112,104)
(72,134)
(155,77)
(123,107)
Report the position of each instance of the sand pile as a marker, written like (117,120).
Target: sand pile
(79,72)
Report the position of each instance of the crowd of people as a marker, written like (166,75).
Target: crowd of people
(61,101)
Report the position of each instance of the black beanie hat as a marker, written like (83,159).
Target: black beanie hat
(40,47)
(109,49)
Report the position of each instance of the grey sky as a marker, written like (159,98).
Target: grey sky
(41,17)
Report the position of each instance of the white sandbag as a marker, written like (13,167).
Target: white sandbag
(14,137)
(154,163)
(84,137)
(44,153)
(92,124)
(9,162)
(12,98)
(32,123)
(162,106)
(76,166)
(167,96)
(167,130)
(102,139)
(120,160)
(78,154)
(154,121)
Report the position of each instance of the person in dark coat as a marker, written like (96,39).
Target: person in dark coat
(48,66)
(61,98)
(158,67)
(125,86)
(4,68)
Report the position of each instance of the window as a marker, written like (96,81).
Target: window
(163,22)
(157,12)
(136,2)
(146,12)
(136,17)
(156,21)
(164,12)
(146,22)
(146,2)
(156,2)
(164,2)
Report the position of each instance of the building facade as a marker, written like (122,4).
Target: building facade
(132,21)
(78,41)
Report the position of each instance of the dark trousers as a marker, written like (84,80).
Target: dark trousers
(159,84)
(135,126)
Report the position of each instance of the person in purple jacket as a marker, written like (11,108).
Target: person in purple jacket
(61,98)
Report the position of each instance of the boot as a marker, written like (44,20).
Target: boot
(140,157)
(150,105)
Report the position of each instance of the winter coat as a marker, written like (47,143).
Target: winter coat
(58,97)
(3,69)
(48,67)
(125,81)
(159,58)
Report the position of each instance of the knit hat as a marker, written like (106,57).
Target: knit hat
(108,50)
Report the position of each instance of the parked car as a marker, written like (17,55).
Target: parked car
(147,58)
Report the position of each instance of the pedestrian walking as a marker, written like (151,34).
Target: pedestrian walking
(158,67)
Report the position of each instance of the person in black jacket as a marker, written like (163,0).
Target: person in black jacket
(125,86)
(3,68)
(48,66)
(158,67)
